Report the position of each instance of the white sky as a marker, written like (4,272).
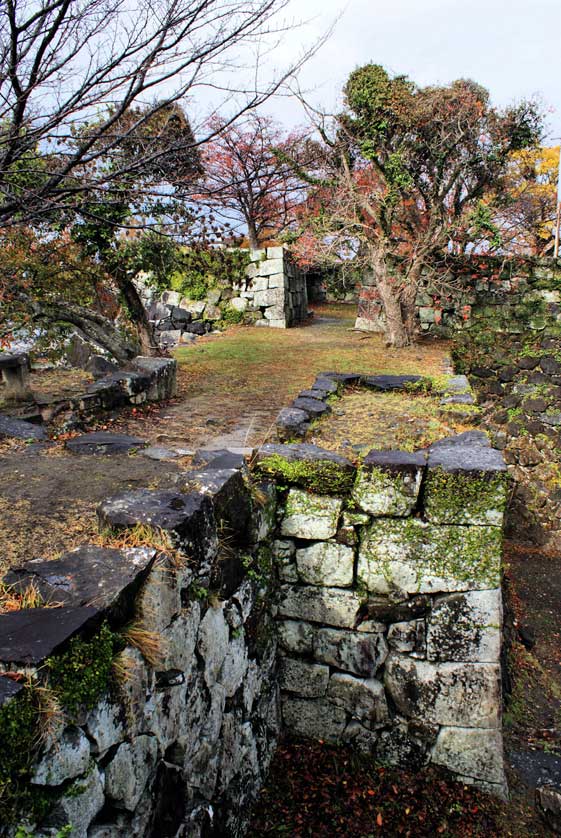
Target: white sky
(512,47)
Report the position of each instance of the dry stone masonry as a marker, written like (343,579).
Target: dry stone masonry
(274,287)
(358,605)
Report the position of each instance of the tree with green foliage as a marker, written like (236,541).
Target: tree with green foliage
(404,171)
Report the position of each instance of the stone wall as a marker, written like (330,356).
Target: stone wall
(390,614)
(275,288)
(145,693)
(156,670)
(502,295)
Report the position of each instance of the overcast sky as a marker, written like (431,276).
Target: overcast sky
(512,47)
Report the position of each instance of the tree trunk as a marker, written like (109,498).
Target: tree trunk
(137,313)
(396,331)
(252,237)
(94,326)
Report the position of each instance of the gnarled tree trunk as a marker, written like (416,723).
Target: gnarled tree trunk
(93,325)
(137,313)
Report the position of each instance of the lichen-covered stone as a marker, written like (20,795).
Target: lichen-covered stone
(472,752)
(81,802)
(466,627)
(212,642)
(389,482)
(466,484)
(128,772)
(408,637)
(411,556)
(308,680)
(180,638)
(310,517)
(363,698)
(66,759)
(459,694)
(305,465)
(361,653)
(326,563)
(105,727)
(332,606)
(315,719)
(235,665)
(296,636)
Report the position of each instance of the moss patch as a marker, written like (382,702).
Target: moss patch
(465,498)
(82,674)
(322,477)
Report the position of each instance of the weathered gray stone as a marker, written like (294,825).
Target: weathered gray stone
(66,759)
(18,429)
(408,637)
(360,737)
(548,803)
(332,606)
(311,517)
(312,407)
(105,727)
(291,422)
(315,719)
(31,635)
(460,694)
(326,563)
(389,482)
(235,664)
(466,627)
(410,556)
(129,770)
(363,698)
(159,601)
(358,652)
(308,680)
(295,636)
(180,639)
(213,642)
(82,801)
(471,752)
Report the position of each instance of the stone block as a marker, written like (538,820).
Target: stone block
(296,636)
(466,627)
(332,606)
(408,637)
(313,407)
(271,266)
(308,680)
(471,752)
(291,423)
(105,727)
(66,759)
(230,498)
(390,382)
(319,719)
(104,442)
(80,804)
(305,465)
(410,556)
(310,517)
(213,641)
(548,804)
(28,637)
(257,255)
(456,694)
(18,429)
(234,666)
(275,312)
(360,652)
(327,564)
(239,303)
(189,518)
(101,577)
(389,482)
(270,297)
(128,772)
(363,698)
(275,252)
(466,485)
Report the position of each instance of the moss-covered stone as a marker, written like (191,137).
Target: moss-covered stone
(307,466)
(465,498)
(411,556)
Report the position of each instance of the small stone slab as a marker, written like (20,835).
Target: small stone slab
(96,576)
(9,689)
(291,422)
(189,518)
(467,459)
(320,395)
(460,398)
(229,495)
(10,361)
(157,452)
(389,482)
(467,439)
(313,407)
(18,429)
(390,382)
(30,636)
(306,465)
(327,385)
(104,442)
(342,377)
(221,458)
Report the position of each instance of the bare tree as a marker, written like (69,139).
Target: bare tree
(74,72)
